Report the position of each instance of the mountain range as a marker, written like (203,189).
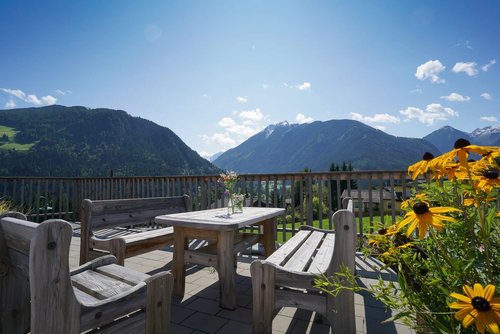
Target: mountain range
(285,147)
(78,141)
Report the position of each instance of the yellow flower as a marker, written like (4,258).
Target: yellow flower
(423,217)
(469,201)
(382,236)
(479,306)
(392,251)
(461,151)
(487,181)
(409,203)
(420,167)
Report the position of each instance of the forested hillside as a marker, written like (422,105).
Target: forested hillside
(78,141)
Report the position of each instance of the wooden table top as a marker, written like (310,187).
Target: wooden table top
(218,219)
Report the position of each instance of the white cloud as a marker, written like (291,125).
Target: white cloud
(303,86)
(236,128)
(455,97)
(486,96)
(492,119)
(416,91)
(49,100)
(301,119)
(241,99)
(466,44)
(430,70)
(14,92)
(221,139)
(486,67)
(377,118)
(468,68)
(10,104)
(31,98)
(63,92)
(252,115)
(433,112)
(226,122)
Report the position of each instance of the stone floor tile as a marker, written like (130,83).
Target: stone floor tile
(240,314)
(205,306)
(235,327)
(204,322)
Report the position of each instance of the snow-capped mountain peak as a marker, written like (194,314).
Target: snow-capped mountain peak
(489,130)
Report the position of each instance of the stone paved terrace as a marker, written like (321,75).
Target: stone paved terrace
(199,312)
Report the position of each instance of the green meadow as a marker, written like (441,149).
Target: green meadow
(10,132)
(9,144)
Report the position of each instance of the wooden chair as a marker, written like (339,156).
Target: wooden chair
(100,296)
(286,277)
(106,226)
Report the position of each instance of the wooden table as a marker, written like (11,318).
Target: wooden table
(225,241)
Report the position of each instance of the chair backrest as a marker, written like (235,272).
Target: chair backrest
(100,214)
(15,238)
(344,254)
(344,222)
(53,301)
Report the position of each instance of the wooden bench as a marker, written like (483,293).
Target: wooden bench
(106,226)
(286,277)
(38,291)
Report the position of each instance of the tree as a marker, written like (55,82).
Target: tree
(343,183)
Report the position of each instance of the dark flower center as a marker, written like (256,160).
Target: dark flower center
(428,156)
(480,304)
(491,174)
(461,143)
(420,208)
(382,231)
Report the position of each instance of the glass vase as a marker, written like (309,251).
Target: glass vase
(235,203)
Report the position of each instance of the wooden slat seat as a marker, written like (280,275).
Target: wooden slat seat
(286,277)
(97,297)
(111,226)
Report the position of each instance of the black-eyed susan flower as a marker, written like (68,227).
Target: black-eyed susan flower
(382,236)
(478,305)
(461,151)
(392,251)
(487,181)
(421,167)
(410,202)
(423,217)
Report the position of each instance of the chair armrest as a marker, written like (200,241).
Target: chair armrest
(96,263)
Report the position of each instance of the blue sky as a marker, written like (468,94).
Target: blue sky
(217,72)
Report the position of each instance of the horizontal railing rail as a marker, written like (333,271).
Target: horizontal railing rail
(309,198)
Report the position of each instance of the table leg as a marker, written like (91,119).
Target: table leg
(178,265)
(226,270)
(269,237)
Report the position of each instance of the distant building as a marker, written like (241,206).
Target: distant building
(362,200)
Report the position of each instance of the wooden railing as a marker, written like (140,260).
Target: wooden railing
(300,193)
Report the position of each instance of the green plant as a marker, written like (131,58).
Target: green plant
(4,206)
(447,242)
